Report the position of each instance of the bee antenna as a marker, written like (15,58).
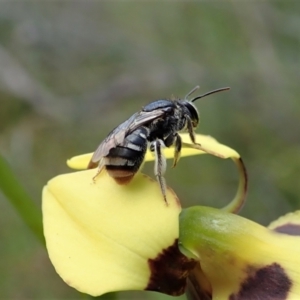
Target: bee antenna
(191,92)
(209,93)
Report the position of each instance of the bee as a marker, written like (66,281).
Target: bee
(155,126)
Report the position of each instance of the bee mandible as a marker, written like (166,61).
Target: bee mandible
(156,126)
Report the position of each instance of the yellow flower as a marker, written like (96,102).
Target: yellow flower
(104,237)
(100,235)
(241,259)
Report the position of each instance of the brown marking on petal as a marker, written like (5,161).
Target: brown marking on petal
(198,286)
(289,228)
(148,177)
(267,283)
(169,271)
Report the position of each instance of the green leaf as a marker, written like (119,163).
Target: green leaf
(20,200)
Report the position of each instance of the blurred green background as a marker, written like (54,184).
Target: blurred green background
(70,71)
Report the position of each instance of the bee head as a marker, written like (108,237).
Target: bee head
(194,115)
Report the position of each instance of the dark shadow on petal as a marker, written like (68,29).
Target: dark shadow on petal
(169,271)
(289,228)
(267,283)
(198,287)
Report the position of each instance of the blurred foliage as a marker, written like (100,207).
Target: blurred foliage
(71,71)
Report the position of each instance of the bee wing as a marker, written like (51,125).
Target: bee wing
(117,136)
(143,117)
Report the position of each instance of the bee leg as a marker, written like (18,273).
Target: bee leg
(152,147)
(100,168)
(169,140)
(177,152)
(191,130)
(172,139)
(160,165)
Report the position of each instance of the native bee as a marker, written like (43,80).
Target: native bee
(157,125)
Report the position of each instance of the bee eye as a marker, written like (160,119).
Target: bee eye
(194,115)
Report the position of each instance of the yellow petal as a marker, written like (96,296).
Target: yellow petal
(101,235)
(79,162)
(208,143)
(240,258)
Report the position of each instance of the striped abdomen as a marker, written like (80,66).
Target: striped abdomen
(123,161)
